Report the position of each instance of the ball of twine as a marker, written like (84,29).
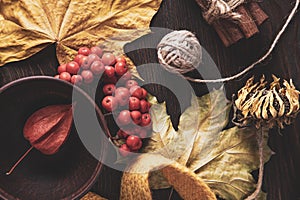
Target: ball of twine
(179,52)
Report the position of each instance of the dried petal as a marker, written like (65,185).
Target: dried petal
(265,106)
(280,102)
(272,110)
(48,128)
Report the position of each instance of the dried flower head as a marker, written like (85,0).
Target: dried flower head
(266,105)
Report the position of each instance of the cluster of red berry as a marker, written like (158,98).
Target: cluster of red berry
(130,107)
(123,97)
(91,62)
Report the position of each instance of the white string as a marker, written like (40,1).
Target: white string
(267,54)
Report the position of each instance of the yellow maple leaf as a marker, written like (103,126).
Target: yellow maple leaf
(26,27)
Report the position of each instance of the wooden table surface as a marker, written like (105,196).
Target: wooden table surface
(282,172)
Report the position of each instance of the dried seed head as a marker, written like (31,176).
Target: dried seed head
(277,104)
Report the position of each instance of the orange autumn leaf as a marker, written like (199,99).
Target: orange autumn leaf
(26,27)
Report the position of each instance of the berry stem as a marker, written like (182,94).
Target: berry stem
(20,159)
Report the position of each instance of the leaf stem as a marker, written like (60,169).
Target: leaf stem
(260,141)
(20,159)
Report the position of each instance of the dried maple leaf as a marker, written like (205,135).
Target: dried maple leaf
(224,159)
(26,27)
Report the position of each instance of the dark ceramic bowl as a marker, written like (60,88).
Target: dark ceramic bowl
(70,172)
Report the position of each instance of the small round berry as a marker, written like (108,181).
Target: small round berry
(72,67)
(109,71)
(56,76)
(121,68)
(146,119)
(89,60)
(108,59)
(109,103)
(97,67)
(124,118)
(79,59)
(97,50)
(84,51)
(62,68)
(87,76)
(134,142)
(134,103)
(76,79)
(136,116)
(144,93)
(66,76)
(109,89)
(124,150)
(131,83)
(122,94)
(136,91)
(144,106)
(121,59)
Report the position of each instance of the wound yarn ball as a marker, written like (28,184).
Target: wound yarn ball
(179,52)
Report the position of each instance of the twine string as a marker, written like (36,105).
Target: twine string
(260,60)
(220,9)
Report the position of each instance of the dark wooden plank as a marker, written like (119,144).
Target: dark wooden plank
(282,175)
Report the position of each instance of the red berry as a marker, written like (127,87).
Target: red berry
(84,51)
(144,106)
(76,79)
(87,76)
(121,68)
(136,91)
(108,59)
(89,60)
(122,94)
(109,71)
(122,134)
(97,67)
(131,83)
(136,116)
(66,76)
(93,57)
(124,150)
(124,118)
(79,59)
(134,142)
(127,76)
(109,89)
(97,50)
(62,68)
(56,76)
(85,63)
(134,103)
(144,93)
(72,67)
(109,103)
(146,119)
(121,59)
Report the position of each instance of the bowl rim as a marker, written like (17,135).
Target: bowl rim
(89,183)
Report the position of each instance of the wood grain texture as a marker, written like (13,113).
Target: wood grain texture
(282,175)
